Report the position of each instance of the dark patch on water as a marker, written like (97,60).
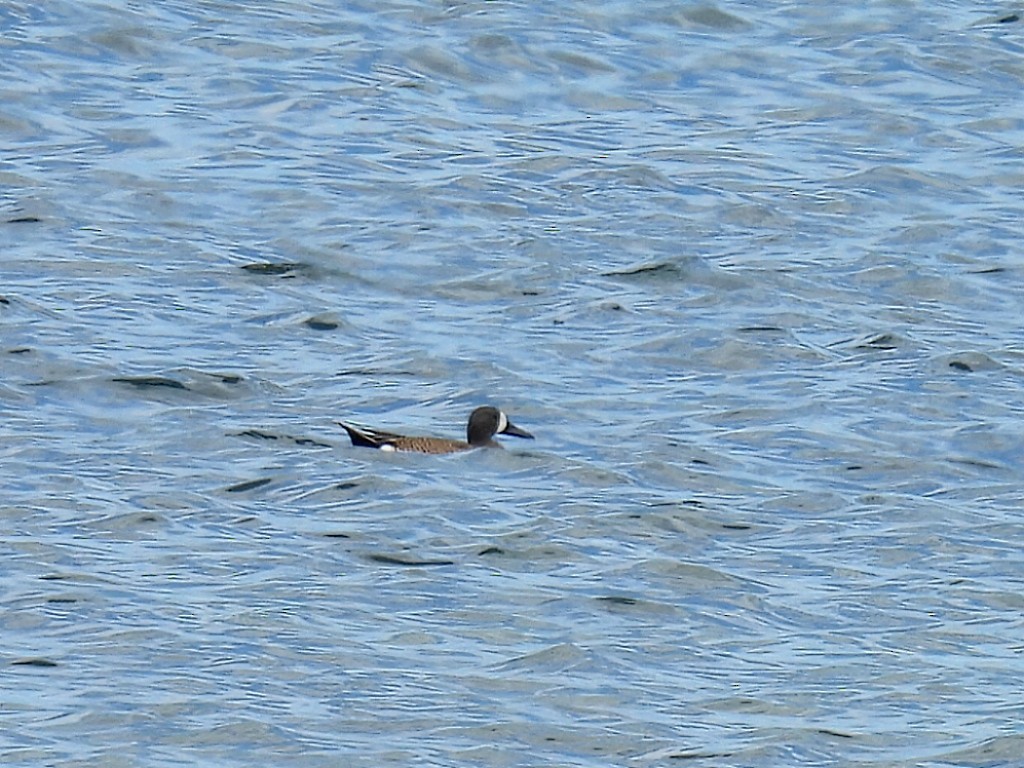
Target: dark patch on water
(882,341)
(618,600)
(322,324)
(372,372)
(693,754)
(259,434)
(309,442)
(36,662)
(976,463)
(148,382)
(408,560)
(659,269)
(248,485)
(276,268)
(837,734)
(305,442)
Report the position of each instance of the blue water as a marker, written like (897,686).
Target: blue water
(750,273)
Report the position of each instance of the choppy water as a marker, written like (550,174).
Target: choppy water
(751,273)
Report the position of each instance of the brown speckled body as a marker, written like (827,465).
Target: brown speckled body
(484,423)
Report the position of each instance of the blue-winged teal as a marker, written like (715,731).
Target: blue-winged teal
(484,423)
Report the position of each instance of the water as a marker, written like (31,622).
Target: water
(751,274)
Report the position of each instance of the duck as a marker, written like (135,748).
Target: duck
(484,423)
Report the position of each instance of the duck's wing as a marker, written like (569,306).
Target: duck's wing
(370,438)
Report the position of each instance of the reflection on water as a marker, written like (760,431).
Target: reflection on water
(747,274)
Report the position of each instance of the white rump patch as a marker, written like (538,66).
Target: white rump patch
(388,447)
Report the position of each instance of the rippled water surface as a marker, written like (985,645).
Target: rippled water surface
(751,273)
